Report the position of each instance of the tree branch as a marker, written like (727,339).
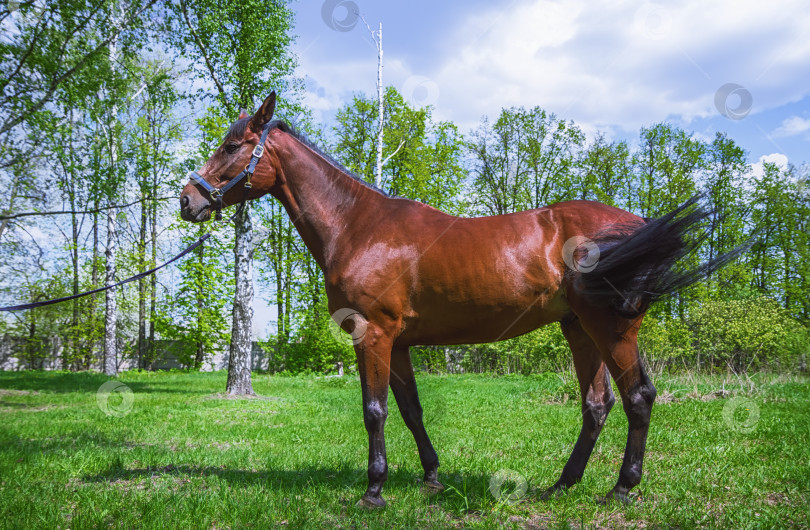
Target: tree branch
(54,84)
(392,155)
(79,212)
(204,54)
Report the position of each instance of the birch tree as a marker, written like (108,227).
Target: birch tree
(241,48)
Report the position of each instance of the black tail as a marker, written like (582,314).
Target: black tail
(635,265)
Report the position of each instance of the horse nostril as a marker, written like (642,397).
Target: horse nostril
(184,200)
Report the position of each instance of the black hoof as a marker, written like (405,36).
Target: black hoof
(554,491)
(621,495)
(370,503)
(432,487)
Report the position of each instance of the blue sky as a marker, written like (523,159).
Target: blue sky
(610,66)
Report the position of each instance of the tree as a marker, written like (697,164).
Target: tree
(155,132)
(526,159)
(779,225)
(54,41)
(724,184)
(424,161)
(667,166)
(192,312)
(604,168)
(244,56)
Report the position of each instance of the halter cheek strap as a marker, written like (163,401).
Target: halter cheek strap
(216,194)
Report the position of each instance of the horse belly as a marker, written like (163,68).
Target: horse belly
(497,303)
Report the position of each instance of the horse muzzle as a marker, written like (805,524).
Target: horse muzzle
(194,209)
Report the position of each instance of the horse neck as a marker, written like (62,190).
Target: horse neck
(320,199)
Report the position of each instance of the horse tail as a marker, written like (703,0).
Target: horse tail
(635,264)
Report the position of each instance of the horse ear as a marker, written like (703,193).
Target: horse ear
(243,114)
(265,113)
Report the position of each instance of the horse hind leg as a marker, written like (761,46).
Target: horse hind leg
(617,340)
(597,400)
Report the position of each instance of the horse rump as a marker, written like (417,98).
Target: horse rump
(637,263)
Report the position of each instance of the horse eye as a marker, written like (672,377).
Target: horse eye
(231,148)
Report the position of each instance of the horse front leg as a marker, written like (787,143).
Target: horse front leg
(374,365)
(403,384)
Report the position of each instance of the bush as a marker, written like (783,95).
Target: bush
(541,350)
(315,347)
(747,334)
(666,344)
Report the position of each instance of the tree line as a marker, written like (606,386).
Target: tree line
(98,98)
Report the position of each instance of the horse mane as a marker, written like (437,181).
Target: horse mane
(301,137)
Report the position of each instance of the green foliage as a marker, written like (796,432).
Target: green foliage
(748,334)
(315,346)
(242,47)
(195,311)
(86,86)
(604,167)
(666,344)
(541,350)
(422,157)
(526,159)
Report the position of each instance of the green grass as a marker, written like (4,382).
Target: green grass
(183,456)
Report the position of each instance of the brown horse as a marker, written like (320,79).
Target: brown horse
(408,274)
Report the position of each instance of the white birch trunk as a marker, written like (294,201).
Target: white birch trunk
(110,306)
(239,382)
(381,100)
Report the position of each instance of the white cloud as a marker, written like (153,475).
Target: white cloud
(611,66)
(758,168)
(623,63)
(792,126)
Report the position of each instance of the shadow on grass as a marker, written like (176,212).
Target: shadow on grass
(66,382)
(344,479)
(341,477)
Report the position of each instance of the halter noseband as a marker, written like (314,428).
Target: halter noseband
(217,193)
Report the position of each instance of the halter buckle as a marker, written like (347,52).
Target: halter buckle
(216,193)
(258,151)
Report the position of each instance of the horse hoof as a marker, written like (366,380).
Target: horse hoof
(432,487)
(619,495)
(370,503)
(553,491)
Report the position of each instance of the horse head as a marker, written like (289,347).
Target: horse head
(238,169)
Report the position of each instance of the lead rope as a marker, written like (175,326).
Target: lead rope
(215,193)
(138,276)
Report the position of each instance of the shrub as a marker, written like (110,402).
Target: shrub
(541,350)
(666,344)
(747,334)
(315,347)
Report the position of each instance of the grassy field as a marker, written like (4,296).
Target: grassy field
(168,451)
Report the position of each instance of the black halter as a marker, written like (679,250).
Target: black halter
(217,193)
